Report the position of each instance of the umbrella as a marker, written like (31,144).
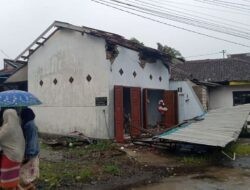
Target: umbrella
(17,98)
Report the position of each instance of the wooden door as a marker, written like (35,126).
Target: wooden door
(171,100)
(145,108)
(135,98)
(118,109)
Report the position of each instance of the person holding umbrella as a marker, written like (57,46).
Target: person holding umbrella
(30,168)
(12,144)
(12,139)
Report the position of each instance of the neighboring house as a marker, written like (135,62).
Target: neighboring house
(10,67)
(226,82)
(90,80)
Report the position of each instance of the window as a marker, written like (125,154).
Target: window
(179,89)
(241,97)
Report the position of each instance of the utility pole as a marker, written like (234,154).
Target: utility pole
(223,52)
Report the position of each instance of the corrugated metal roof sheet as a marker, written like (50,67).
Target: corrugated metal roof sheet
(218,128)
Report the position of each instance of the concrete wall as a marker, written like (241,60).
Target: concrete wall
(202,93)
(189,105)
(223,96)
(128,61)
(69,107)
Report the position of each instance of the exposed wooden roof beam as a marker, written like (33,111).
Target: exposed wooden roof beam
(34,42)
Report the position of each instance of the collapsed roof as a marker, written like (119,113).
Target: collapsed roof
(111,38)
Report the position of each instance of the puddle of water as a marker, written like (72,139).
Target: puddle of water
(215,178)
(180,183)
(240,162)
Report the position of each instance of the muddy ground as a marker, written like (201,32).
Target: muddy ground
(105,165)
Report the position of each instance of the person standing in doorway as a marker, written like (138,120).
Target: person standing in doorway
(162,108)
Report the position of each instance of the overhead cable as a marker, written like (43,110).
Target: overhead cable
(221,4)
(197,23)
(193,16)
(168,24)
(180,9)
(5,54)
(166,2)
(215,53)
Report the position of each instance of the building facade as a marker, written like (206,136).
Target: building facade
(89,79)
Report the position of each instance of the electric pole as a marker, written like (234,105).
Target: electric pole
(224,53)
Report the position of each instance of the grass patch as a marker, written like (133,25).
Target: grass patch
(202,159)
(101,145)
(54,174)
(112,169)
(239,149)
(86,174)
(44,146)
(194,160)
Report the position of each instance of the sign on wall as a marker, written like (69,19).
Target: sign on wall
(101,101)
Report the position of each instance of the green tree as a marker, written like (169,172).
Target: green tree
(175,54)
(134,40)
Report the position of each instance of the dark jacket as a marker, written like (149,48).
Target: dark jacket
(30,133)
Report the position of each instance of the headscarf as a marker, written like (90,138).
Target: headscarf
(11,136)
(27,115)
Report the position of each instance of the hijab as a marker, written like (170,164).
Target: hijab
(27,115)
(11,136)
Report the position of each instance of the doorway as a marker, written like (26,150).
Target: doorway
(127,112)
(151,114)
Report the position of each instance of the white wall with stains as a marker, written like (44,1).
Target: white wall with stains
(69,107)
(223,96)
(189,105)
(128,61)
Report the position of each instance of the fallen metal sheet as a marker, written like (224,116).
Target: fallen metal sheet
(218,128)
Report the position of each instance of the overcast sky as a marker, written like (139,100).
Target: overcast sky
(23,20)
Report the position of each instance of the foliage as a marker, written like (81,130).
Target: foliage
(100,145)
(239,149)
(85,174)
(54,174)
(134,40)
(175,54)
(193,160)
(112,169)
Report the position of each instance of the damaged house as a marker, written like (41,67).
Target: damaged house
(94,82)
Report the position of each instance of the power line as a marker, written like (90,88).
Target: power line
(5,54)
(172,25)
(221,4)
(193,16)
(192,22)
(232,3)
(166,2)
(201,55)
(192,11)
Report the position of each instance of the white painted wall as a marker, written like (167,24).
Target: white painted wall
(223,96)
(128,61)
(189,105)
(70,107)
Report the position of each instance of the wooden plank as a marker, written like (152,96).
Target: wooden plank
(135,98)
(171,116)
(119,120)
(145,108)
